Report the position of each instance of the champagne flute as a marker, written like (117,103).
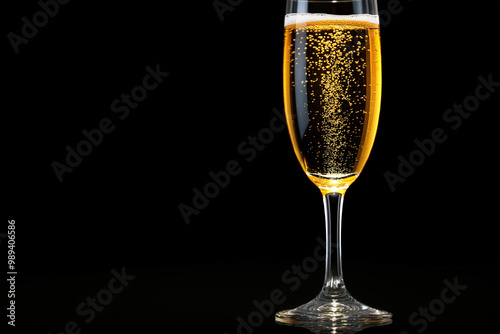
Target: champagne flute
(332,91)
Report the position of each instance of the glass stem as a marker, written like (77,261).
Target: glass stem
(334,282)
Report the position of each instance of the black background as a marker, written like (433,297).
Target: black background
(120,207)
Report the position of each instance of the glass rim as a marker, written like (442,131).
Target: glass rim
(341,7)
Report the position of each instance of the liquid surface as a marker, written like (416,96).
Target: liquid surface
(332,86)
(297,18)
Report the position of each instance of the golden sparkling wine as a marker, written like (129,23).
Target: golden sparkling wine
(332,87)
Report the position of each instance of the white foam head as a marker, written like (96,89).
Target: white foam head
(298,18)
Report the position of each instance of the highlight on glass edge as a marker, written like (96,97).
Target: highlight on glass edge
(332,92)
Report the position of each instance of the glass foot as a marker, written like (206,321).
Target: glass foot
(334,308)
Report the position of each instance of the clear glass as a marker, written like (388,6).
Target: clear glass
(332,91)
